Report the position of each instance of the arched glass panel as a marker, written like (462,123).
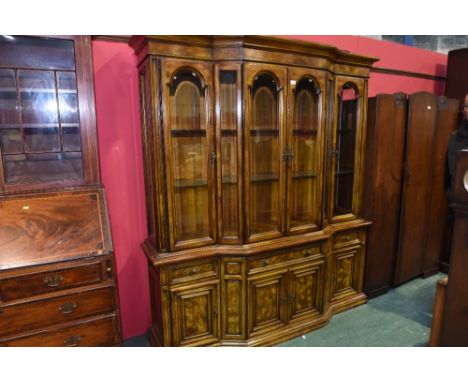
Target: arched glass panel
(189,157)
(264,160)
(304,205)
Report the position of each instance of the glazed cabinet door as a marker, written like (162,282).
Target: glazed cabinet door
(306,290)
(47,120)
(189,153)
(267,301)
(229,152)
(195,318)
(306,124)
(265,154)
(347,140)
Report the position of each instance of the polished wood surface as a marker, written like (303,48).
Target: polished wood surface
(454,331)
(422,120)
(438,311)
(457,75)
(245,246)
(39,228)
(447,113)
(382,187)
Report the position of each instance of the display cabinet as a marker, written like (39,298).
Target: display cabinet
(57,274)
(253,166)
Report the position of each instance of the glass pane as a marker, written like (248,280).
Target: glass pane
(189,162)
(345,150)
(264,166)
(304,208)
(10,133)
(228,122)
(34,52)
(42,167)
(69,112)
(39,110)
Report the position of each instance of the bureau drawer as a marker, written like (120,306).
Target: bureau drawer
(54,279)
(260,263)
(100,332)
(193,271)
(347,238)
(25,316)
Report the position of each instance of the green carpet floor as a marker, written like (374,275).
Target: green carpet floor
(401,317)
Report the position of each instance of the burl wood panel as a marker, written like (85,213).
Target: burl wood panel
(195,315)
(385,146)
(447,120)
(46,228)
(414,207)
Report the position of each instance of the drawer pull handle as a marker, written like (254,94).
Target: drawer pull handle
(347,238)
(72,341)
(308,253)
(53,281)
(68,307)
(265,262)
(193,271)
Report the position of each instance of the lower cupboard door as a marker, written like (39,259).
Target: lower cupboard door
(195,318)
(267,302)
(306,290)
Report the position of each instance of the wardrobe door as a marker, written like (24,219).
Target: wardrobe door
(265,151)
(190,154)
(385,146)
(447,118)
(305,149)
(421,125)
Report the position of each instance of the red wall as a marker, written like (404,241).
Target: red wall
(118,118)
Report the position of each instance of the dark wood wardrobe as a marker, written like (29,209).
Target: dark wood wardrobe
(404,193)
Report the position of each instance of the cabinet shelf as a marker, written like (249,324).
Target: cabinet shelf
(344,172)
(264,178)
(260,132)
(229,180)
(188,133)
(34,90)
(343,131)
(190,183)
(37,125)
(305,132)
(304,175)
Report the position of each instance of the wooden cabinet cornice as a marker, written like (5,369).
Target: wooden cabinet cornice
(254,169)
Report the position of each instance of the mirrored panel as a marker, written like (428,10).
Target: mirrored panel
(345,146)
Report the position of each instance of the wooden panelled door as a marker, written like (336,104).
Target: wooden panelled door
(190,153)
(265,155)
(306,102)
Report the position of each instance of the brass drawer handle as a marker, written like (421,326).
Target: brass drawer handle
(67,307)
(266,262)
(193,271)
(348,238)
(53,281)
(308,253)
(72,341)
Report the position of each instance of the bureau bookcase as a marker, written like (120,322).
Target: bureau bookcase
(254,174)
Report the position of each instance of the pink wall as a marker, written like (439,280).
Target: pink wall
(120,152)
(118,118)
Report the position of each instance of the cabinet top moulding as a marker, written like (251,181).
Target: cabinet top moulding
(253,48)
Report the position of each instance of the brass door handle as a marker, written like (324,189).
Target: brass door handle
(72,341)
(67,307)
(53,281)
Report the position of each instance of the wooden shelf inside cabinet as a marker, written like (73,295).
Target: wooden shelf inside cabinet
(36,125)
(264,178)
(188,133)
(261,132)
(344,172)
(304,175)
(190,183)
(304,132)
